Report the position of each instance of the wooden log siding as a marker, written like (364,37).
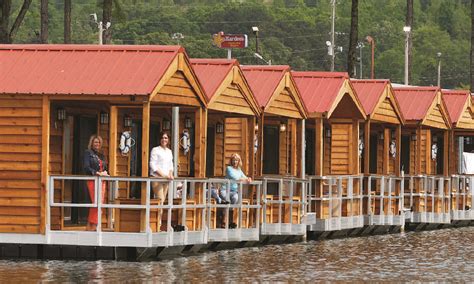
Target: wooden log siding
(341,149)
(327,154)
(466,120)
(235,141)
(20,163)
(177,90)
(123,162)
(435,118)
(386,113)
(232,100)
(284,105)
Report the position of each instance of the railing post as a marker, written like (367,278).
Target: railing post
(280,200)
(147,215)
(382,195)
(184,202)
(98,199)
(240,204)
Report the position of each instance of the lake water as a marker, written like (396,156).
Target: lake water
(443,255)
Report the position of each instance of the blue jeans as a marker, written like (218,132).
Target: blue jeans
(233,196)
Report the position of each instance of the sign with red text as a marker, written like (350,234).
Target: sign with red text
(222,40)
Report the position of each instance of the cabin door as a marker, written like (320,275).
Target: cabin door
(271,149)
(211,137)
(309,151)
(440,155)
(135,153)
(84,128)
(405,154)
(373,153)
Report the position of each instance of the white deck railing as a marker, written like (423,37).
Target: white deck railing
(335,202)
(427,199)
(461,197)
(384,198)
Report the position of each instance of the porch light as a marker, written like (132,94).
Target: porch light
(435,139)
(282,127)
(127,121)
(413,137)
(187,122)
(104,118)
(219,127)
(328,132)
(61,114)
(256,127)
(166,124)
(381,136)
(392,134)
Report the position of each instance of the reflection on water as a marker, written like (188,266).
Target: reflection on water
(434,255)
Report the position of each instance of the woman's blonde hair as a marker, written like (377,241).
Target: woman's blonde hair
(91,141)
(235,156)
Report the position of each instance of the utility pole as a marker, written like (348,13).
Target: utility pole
(333,38)
(407,30)
(360,45)
(439,68)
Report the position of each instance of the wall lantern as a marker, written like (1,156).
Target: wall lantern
(166,124)
(413,137)
(328,132)
(187,122)
(282,127)
(127,121)
(393,134)
(219,127)
(381,136)
(256,127)
(104,118)
(61,114)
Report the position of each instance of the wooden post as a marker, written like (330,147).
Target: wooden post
(319,145)
(446,152)
(260,146)
(45,131)
(113,141)
(367,147)
(355,147)
(145,157)
(386,151)
(251,153)
(294,146)
(398,144)
(200,132)
(418,151)
(428,151)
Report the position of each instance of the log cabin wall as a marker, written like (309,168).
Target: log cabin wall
(20,163)
(123,162)
(341,148)
(236,141)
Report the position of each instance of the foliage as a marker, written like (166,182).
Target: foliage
(292,32)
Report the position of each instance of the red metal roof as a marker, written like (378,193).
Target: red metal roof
(455,100)
(211,73)
(415,101)
(83,69)
(319,89)
(369,92)
(263,80)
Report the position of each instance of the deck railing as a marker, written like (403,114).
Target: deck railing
(284,200)
(384,200)
(246,211)
(335,202)
(427,199)
(461,197)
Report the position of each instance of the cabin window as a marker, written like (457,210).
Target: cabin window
(271,149)
(309,151)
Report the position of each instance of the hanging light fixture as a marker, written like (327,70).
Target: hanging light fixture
(282,127)
(187,122)
(104,117)
(127,121)
(166,124)
(219,127)
(61,114)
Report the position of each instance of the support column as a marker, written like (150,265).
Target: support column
(386,151)
(113,136)
(260,146)
(398,144)
(145,157)
(446,153)
(251,145)
(303,148)
(175,138)
(319,144)
(367,147)
(45,133)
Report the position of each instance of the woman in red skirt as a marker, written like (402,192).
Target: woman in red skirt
(95,165)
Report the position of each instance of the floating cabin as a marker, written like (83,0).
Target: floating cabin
(279,138)
(424,152)
(231,119)
(54,97)
(332,149)
(460,108)
(381,154)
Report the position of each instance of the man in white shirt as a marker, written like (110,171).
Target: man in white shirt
(161,166)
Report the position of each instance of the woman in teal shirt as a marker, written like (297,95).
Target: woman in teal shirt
(234,173)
